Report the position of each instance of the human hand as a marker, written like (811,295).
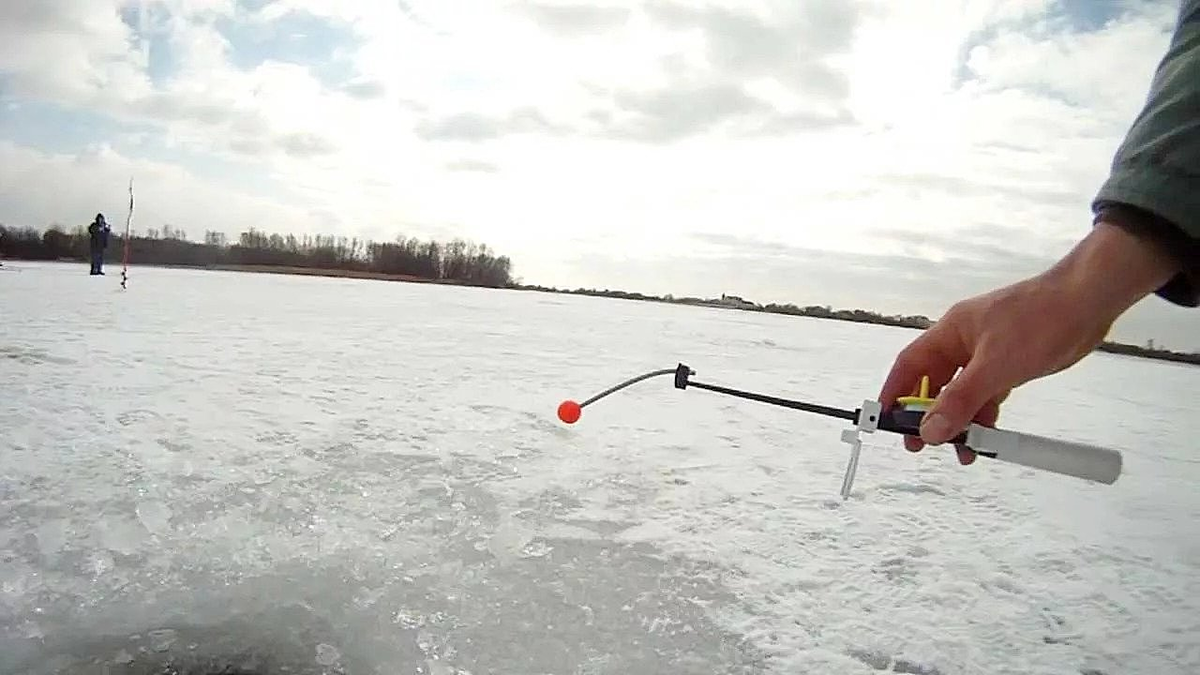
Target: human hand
(1032,328)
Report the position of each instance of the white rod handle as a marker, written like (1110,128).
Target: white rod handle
(1089,462)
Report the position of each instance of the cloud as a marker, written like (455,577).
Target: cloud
(655,115)
(753,74)
(683,110)
(469,126)
(90,54)
(68,50)
(38,188)
(1043,57)
(977,256)
(305,145)
(576,19)
(790,44)
(827,152)
(364,89)
(472,165)
(680,110)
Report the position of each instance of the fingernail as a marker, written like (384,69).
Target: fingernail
(935,428)
(966,456)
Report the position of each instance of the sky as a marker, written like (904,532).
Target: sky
(892,156)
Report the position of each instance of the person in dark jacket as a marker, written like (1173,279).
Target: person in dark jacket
(98,241)
(1144,240)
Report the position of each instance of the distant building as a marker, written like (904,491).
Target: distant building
(735,301)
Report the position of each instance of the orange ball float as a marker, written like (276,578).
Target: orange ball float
(569,411)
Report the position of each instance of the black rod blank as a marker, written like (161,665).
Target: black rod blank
(786,403)
(682,381)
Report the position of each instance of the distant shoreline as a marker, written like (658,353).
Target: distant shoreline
(916,322)
(297,270)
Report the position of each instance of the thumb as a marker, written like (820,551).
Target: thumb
(960,400)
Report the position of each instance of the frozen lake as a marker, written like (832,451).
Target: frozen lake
(282,474)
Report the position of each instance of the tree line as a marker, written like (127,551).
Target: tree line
(815,311)
(917,321)
(456,260)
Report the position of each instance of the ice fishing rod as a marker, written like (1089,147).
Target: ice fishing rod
(1069,458)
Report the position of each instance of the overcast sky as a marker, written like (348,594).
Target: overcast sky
(883,155)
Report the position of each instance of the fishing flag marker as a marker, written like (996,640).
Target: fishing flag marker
(125,240)
(1069,458)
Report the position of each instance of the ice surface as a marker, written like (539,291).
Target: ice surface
(217,472)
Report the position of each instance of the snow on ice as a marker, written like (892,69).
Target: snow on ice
(219,472)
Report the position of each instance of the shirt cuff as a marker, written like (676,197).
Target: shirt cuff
(1184,288)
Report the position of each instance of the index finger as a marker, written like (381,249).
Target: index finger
(929,355)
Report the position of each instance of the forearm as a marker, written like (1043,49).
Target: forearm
(1111,269)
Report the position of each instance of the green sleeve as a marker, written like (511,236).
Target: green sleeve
(1154,183)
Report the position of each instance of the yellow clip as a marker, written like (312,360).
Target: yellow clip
(920,401)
